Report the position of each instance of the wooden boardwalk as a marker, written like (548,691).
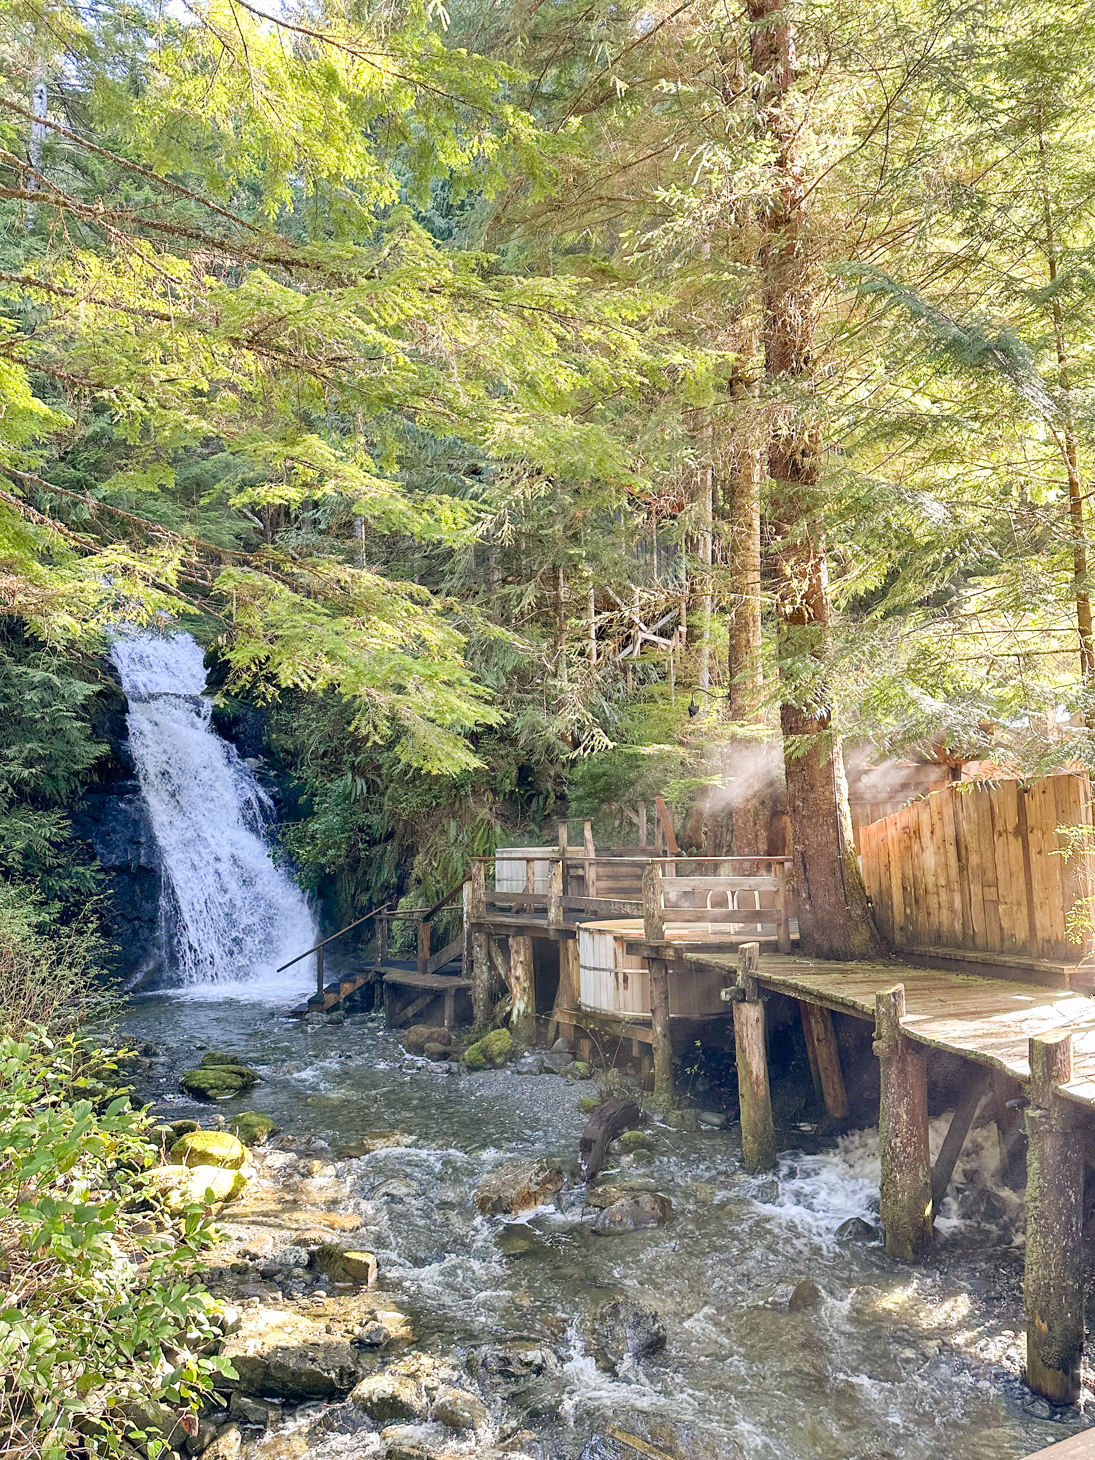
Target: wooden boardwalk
(986,1019)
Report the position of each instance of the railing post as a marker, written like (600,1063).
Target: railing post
(591,859)
(653,916)
(555,894)
(564,845)
(319,971)
(382,937)
(423,946)
(783,935)
(477,891)
(530,881)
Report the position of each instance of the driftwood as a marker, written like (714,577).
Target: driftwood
(605,1124)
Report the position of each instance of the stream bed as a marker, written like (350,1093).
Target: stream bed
(913,1364)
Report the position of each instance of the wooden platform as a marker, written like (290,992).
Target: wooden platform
(1076,1447)
(985,1019)
(424,989)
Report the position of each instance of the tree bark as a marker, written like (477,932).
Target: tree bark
(834,914)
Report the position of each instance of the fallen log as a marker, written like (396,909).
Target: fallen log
(609,1120)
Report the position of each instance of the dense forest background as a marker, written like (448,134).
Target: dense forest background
(534,408)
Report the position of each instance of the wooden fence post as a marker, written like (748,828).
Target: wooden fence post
(423,946)
(476,888)
(523,988)
(555,894)
(591,859)
(783,893)
(382,937)
(319,972)
(1053,1287)
(653,919)
(758,1132)
(821,1047)
(905,1207)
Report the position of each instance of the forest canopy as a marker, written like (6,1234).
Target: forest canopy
(545,407)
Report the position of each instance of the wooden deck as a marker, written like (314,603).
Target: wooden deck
(1076,1447)
(985,1019)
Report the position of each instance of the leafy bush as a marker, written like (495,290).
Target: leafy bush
(101,1329)
(50,971)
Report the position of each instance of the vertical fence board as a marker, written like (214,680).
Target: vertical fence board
(1009,867)
(944,811)
(1045,868)
(990,891)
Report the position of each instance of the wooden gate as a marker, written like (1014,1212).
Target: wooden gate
(977,869)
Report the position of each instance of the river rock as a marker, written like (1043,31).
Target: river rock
(217,1079)
(180,1185)
(588,1104)
(401,1391)
(373,1335)
(456,1409)
(624,1327)
(210,1148)
(492,1050)
(855,1229)
(806,1294)
(507,1369)
(252,1128)
(436,1052)
(644,1209)
(715,1119)
(577,1070)
(518,1186)
(295,1255)
(346,1265)
(562,1046)
(375,1140)
(226,1446)
(636,1140)
(419,1035)
(248,1411)
(287,1355)
(182,1128)
(531,1064)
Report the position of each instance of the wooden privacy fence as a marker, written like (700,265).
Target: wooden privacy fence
(976,870)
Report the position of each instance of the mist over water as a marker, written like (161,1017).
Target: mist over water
(228,915)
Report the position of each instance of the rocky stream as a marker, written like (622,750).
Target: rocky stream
(404,1290)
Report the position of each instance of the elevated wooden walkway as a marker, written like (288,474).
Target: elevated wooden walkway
(985,1019)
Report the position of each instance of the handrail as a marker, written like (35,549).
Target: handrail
(432,912)
(316,947)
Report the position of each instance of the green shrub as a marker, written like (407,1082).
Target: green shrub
(100,1320)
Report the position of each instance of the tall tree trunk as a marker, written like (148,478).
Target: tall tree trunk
(834,914)
(752,787)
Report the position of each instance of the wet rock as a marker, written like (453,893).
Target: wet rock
(766,1190)
(531,1064)
(716,1119)
(518,1186)
(210,1148)
(507,1369)
(252,1128)
(373,1335)
(181,1185)
(226,1446)
(855,1229)
(636,1140)
(588,1104)
(492,1050)
(577,1070)
(214,1080)
(375,1140)
(623,1327)
(345,1265)
(456,1409)
(183,1127)
(616,1443)
(287,1355)
(248,1411)
(562,1046)
(436,1052)
(392,1395)
(296,1255)
(556,1062)
(202,1437)
(633,1214)
(682,1119)
(419,1035)
(805,1294)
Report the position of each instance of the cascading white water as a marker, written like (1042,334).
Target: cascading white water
(228,915)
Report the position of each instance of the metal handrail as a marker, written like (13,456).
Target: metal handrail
(317,946)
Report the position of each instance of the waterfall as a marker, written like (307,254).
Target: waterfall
(228,914)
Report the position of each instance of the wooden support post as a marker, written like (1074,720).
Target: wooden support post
(423,946)
(665,821)
(319,972)
(821,1046)
(482,1009)
(1009,1123)
(661,1033)
(758,1131)
(566,995)
(653,918)
(564,847)
(965,1112)
(382,937)
(1053,1283)
(523,988)
(450,1009)
(591,859)
(530,880)
(906,1198)
(555,895)
(642,823)
(783,896)
(465,929)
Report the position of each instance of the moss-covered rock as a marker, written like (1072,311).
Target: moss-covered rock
(588,1104)
(492,1050)
(210,1148)
(180,1185)
(218,1082)
(252,1128)
(219,1057)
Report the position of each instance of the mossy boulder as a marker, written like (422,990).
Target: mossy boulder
(252,1128)
(180,1185)
(210,1148)
(219,1057)
(216,1081)
(492,1050)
